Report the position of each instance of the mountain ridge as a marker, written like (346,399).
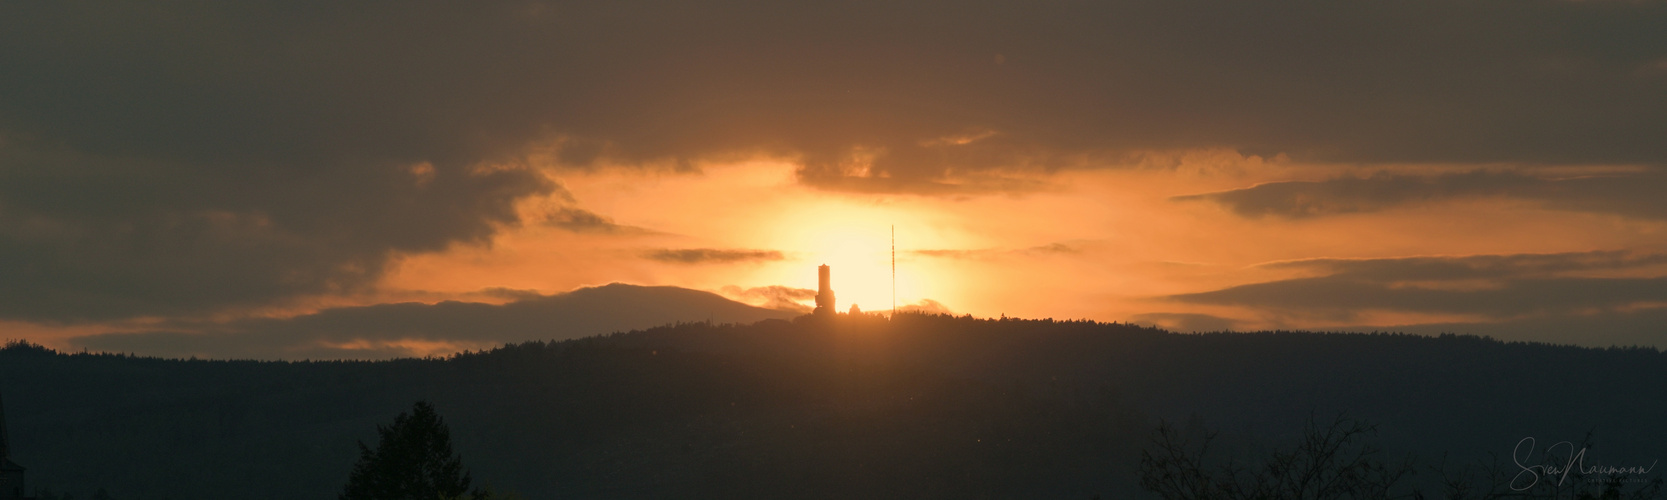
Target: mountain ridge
(392,330)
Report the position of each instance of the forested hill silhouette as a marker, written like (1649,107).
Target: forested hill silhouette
(528,315)
(849,407)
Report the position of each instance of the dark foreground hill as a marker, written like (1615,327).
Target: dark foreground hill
(919,407)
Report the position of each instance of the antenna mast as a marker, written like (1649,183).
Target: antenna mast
(894,270)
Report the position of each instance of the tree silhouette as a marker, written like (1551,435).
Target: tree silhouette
(1330,462)
(413,461)
(1336,462)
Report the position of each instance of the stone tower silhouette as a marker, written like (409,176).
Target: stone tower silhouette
(11,474)
(824,292)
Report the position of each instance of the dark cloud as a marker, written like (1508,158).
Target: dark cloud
(711,255)
(179,157)
(86,236)
(781,298)
(375,331)
(1633,195)
(1494,286)
(182,159)
(905,91)
(584,221)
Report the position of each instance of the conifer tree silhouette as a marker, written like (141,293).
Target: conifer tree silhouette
(412,461)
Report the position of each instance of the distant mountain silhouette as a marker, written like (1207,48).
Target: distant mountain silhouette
(373,331)
(621,307)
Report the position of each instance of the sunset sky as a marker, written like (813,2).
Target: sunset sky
(182,178)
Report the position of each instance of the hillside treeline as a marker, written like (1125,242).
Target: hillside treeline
(850,407)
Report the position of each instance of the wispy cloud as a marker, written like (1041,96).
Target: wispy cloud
(994,253)
(584,221)
(1631,194)
(1492,286)
(712,255)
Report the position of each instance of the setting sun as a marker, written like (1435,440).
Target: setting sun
(855,241)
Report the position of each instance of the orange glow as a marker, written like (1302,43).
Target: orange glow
(1104,243)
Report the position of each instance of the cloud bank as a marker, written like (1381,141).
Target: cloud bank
(1635,195)
(1593,297)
